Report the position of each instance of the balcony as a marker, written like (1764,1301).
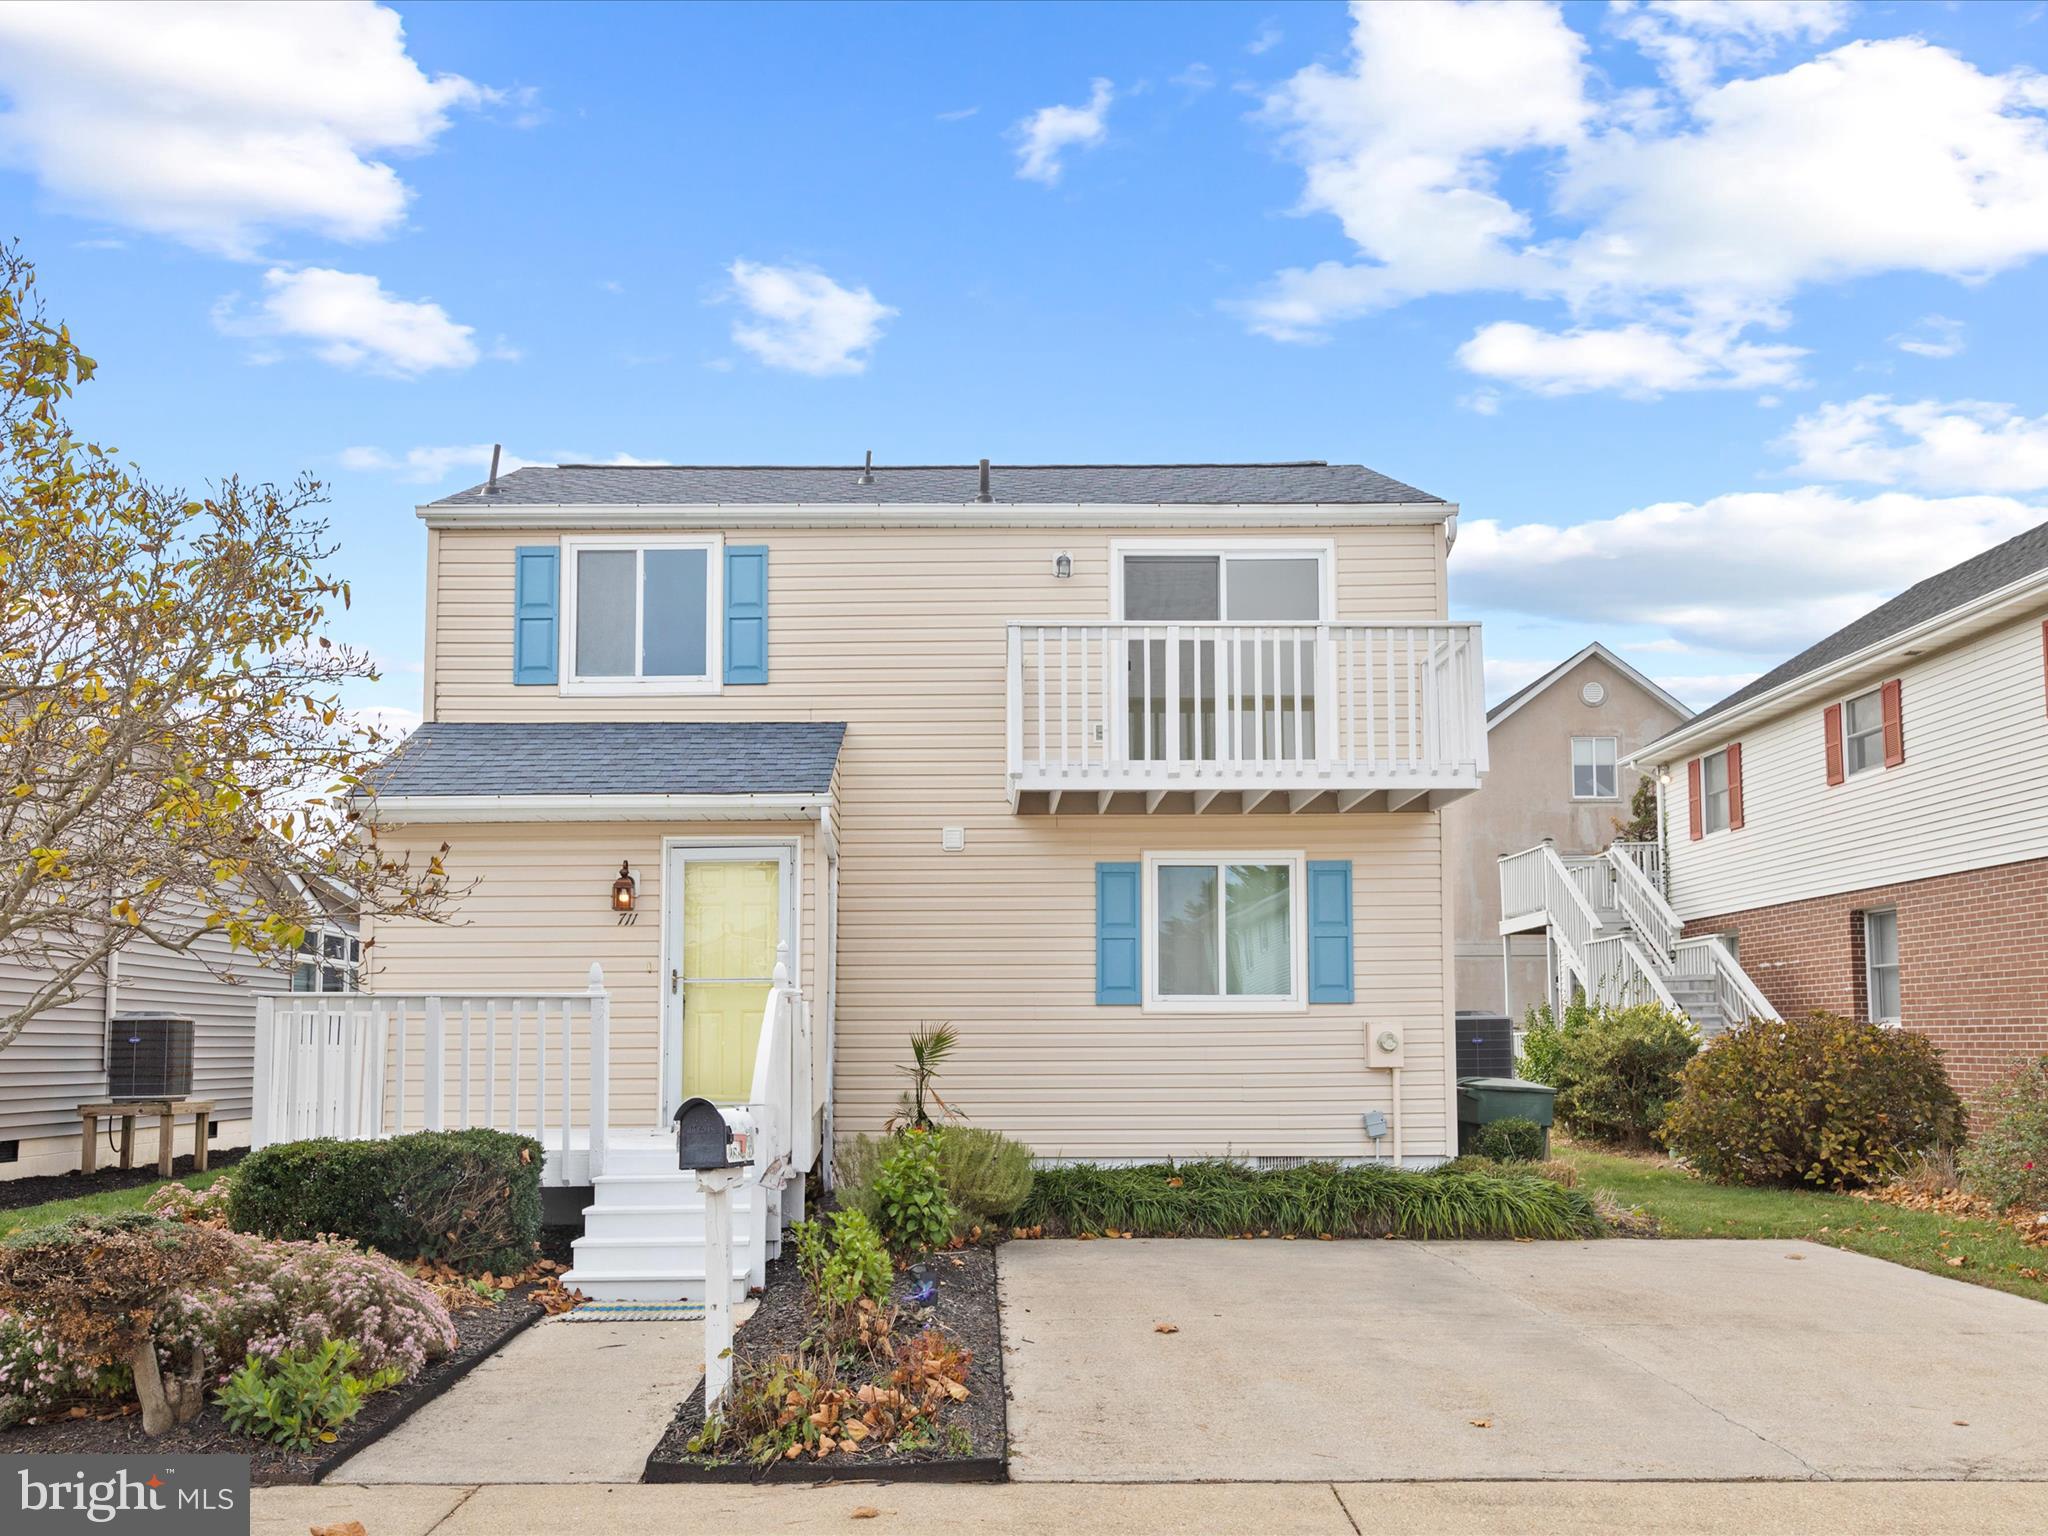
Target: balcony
(1183,717)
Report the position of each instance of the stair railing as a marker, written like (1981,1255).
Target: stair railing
(1623,975)
(1537,880)
(1643,904)
(1735,993)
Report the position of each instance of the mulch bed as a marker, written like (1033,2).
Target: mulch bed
(43,1187)
(480,1332)
(965,1306)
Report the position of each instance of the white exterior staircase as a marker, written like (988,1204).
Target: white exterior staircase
(1613,935)
(643,1232)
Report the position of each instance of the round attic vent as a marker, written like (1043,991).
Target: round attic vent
(1594,693)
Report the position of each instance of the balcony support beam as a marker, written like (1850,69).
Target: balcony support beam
(1203,798)
(1254,798)
(1298,800)
(1401,799)
(1352,799)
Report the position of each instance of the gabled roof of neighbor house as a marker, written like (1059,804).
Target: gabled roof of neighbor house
(1305,482)
(2013,571)
(613,759)
(1529,691)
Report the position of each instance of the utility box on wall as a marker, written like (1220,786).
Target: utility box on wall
(149,1056)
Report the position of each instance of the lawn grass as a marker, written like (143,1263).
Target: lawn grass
(1687,1206)
(106,1203)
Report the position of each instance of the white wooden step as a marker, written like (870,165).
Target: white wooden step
(658,1189)
(653,1257)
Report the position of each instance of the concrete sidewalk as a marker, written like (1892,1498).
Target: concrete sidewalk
(1129,1509)
(562,1403)
(1350,1362)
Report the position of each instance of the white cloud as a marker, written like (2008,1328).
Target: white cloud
(1634,359)
(1195,79)
(1692,41)
(1269,37)
(215,124)
(1051,131)
(431,465)
(1932,336)
(1936,445)
(959,115)
(1700,690)
(800,319)
(1650,208)
(1754,573)
(351,322)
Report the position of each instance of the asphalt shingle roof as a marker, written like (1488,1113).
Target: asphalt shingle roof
(2014,560)
(653,757)
(1306,483)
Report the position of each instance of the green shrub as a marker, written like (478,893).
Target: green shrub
(1818,1100)
(2007,1163)
(1543,1039)
(911,1207)
(987,1175)
(1225,1199)
(1617,1072)
(470,1199)
(300,1398)
(1513,1140)
(845,1263)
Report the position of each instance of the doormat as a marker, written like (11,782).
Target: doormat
(636,1312)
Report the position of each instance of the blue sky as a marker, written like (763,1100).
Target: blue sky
(1720,323)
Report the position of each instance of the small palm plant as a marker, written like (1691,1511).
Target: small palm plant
(930,1045)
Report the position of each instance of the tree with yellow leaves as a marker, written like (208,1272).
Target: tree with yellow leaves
(175,760)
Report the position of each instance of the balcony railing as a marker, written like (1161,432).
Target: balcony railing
(1357,711)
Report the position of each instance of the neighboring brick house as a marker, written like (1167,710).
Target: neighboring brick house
(1867,824)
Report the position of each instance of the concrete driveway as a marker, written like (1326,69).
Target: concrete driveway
(1363,1361)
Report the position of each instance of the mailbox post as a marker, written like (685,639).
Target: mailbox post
(719,1149)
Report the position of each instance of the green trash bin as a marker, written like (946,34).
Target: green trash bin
(1483,1100)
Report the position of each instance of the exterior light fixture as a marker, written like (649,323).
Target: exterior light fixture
(1062,566)
(623,891)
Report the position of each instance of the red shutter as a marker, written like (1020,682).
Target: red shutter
(1832,715)
(1894,726)
(1692,783)
(1734,785)
(2044,655)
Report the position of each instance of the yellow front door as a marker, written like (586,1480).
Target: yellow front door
(732,921)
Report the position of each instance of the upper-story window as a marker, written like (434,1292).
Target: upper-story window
(1593,768)
(641,614)
(1714,790)
(1863,731)
(1239,584)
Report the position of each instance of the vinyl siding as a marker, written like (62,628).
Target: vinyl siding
(900,633)
(223,1011)
(57,1062)
(1972,792)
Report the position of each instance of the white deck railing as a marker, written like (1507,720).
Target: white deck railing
(365,1065)
(785,1144)
(1536,881)
(1738,996)
(1217,705)
(1647,857)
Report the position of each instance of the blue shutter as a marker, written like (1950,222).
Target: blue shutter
(1329,931)
(536,598)
(746,613)
(1118,891)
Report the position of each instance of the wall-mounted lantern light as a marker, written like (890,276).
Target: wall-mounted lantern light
(1062,566)
(623,891)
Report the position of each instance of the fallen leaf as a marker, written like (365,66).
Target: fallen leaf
(1175,1182)
(1480,1423)
(1166,1328)
(340,1528)
(865,1512)
(1958,1261)
(1795,1256)
(1960,1423)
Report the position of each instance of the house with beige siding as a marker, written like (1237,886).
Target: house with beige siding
(1866,825)
(1559,748)
(1135,775)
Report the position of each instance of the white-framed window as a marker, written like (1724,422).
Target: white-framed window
(1863,731)
(1594,774)
(1881,964)
(1235,581)
(1714,791)
(327,961)
(1225,932)
(642,614)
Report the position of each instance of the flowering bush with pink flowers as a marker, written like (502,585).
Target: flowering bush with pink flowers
(282,1296)
(274,1298)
